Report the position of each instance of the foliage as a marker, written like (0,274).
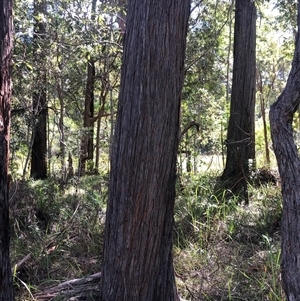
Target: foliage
(204,89)
(72,39)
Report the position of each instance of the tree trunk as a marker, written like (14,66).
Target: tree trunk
(87,148)
(60,125)
(61,129)
(40,111)
(240,135)
(228,75)
(263,115)
(6,286)
(137,259)
(281,118)
(102,101)
(39,148)
(87,142)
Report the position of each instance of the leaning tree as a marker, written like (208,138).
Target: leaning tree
(6,287)
(137,259)
(281,119)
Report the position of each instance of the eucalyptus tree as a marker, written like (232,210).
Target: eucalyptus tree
(137,260)
(205,73)
(87,39)
(285,148)
(6,40)
(39,108)
(87,140)
(72,39)
(274,56)
(240,140)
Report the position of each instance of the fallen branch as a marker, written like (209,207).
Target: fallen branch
(18,265)
(74,287)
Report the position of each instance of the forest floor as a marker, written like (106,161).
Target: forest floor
(223,250)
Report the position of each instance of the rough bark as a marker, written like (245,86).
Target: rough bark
(281,118)
(87,148)
(240,136)
(6,287)
(39,147)
(137,259)
(87,141)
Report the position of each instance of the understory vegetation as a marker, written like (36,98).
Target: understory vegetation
(223,249)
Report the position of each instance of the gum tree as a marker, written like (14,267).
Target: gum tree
(240,135)
(39,98)
(281,119)
(6,287)
(137,259)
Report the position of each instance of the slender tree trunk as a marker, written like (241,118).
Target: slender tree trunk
(240,136)
(61,127)
(137,259)
(263,115)
(6,286)
(87,142)
(281,118)
(87,148)
(102,101)
(62,145)
(40,111)
(228,72)
(97,155)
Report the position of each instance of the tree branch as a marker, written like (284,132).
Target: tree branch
(190,125)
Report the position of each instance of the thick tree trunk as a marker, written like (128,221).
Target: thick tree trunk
(240,135)
(40,111)
(6,286)
(281,118)
(137,260)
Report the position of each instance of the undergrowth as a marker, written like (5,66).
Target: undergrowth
(223,250)
(61,229)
